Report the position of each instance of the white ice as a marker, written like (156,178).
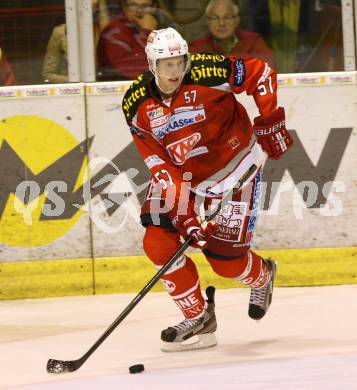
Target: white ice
(308,340)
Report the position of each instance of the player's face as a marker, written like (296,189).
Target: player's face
(170,72)
(222,20)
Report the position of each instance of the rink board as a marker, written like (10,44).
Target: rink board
(89,213)
(53,278)
(43,141)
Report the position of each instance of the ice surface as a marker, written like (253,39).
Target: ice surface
(308,340)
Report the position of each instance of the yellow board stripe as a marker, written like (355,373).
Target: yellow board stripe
(50,278)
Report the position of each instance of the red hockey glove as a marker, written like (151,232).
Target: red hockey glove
(191,226)
(272,135)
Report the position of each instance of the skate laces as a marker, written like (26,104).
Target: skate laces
(258,296)
(187,324)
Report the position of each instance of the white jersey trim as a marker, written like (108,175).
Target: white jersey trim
(223,87)
(179,263)
(225,179)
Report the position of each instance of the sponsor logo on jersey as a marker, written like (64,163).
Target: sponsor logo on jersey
(160,121)
(153,160)
(153,114)
(204,72)
(239,72)
(233,142)
(179,121)
(132,95)
(229,221)
(183,149)
(203,57)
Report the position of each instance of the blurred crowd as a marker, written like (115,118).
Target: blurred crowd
(291,35)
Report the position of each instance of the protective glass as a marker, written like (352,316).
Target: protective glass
(133,6)
(225,19)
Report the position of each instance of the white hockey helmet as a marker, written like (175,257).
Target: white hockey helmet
(166,43)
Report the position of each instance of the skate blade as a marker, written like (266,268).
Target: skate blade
(201,341)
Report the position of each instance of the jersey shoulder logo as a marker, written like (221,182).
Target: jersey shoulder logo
(209,70)
(137,93)
(239,72)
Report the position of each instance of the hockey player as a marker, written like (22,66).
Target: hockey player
(197,141)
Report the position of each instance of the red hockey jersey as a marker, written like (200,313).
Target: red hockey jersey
(204,131)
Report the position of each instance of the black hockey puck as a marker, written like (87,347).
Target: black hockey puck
(136,368)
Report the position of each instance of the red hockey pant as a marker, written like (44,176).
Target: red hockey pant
(182,280)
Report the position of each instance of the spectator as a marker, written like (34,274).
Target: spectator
(260,17)
(189,16)
(320,37)
(55,66)
(227,38)
(285,19)
(120,53)
(6,74)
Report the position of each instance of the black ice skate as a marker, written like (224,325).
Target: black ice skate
(193,334)
(260,298)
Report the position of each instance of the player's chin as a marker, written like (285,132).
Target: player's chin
(173,83)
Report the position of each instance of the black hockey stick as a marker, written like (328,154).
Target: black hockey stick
(63,366)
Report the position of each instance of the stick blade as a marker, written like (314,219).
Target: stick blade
(62,366)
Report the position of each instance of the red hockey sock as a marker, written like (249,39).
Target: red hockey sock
(250,269)
(181,280)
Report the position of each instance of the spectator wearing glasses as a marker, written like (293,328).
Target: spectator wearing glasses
(227,38)
(120,52)
(7,77)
